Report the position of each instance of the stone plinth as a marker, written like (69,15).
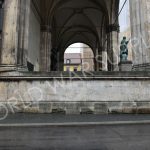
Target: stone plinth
(141,67)
(125,66)
(119,92)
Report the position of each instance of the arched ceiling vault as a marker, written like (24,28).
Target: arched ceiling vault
(77,20)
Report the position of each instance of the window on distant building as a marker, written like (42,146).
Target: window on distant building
(68,61)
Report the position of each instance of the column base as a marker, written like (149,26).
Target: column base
(141,67)
(8,68)
(12,68)
(22,68)
(125,66)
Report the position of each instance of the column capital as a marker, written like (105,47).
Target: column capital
(113,27)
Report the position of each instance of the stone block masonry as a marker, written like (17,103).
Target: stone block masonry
(99,95)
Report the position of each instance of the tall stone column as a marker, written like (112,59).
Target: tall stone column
(113,49)
(10,34)
(46,46)
(104,48)
(140,30)
(23,33)
(15,34)
(101,59)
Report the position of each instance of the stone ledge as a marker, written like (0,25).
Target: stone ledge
(73,76)
(76,108)
(21,74)
(141,67)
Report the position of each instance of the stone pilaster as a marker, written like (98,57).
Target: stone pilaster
(140,29)
(46,46)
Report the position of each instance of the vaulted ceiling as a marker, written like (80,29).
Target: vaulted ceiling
(74,21)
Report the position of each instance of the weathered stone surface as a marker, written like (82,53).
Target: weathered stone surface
(72,108)
(129,110)
(45,50)
(140,23)
(92,91)
(8,53)
(58,111)
(125,66)
(45,107)
(85,110)
(74,97)
(101,108)
(145,110)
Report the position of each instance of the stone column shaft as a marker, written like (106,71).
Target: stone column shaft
(115,49)
(104,61)
(113,46)
(140,31)
(10,33)
(45,52)
(24,17)
(15,33)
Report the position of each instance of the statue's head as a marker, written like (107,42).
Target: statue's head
(124,38)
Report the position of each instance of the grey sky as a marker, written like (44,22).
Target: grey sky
(124,18)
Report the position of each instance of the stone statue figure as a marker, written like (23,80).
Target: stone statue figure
(124,49)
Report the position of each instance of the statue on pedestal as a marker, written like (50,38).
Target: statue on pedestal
(124,50)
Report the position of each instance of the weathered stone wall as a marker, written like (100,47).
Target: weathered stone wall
(75,96)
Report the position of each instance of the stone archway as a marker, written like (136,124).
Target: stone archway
(86,21)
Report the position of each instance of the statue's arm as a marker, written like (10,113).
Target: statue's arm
(128,41)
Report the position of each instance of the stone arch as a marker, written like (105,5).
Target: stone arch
(86,55)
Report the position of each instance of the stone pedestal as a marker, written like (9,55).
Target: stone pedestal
(125,66)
